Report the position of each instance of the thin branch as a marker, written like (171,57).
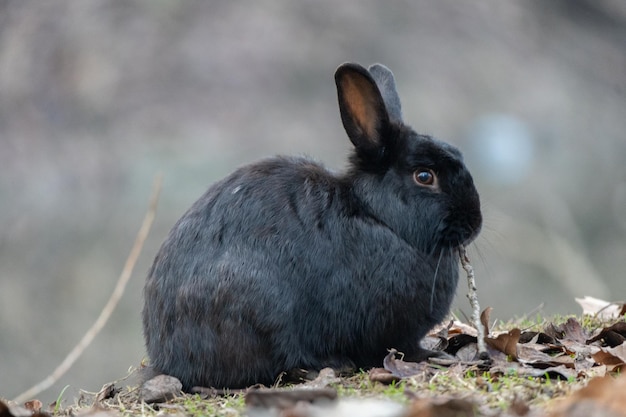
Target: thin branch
(473,299)
(110,306)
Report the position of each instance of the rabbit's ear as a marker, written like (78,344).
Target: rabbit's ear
(362,107)
(387,86)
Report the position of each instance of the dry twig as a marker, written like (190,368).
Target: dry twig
(472,295)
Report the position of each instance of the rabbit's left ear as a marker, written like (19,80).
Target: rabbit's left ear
(362,107)
(387,87)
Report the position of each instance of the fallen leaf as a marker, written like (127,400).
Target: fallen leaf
(544,344)
(600,308)
(583,363)
(596,371)
(106,392)
(468,353)
(608,358)
(33,405)
(613,335)
(435,343)
(400,368)
(618,351)
(462,328)
(497,356)
(554,331)
(519,407)
(532,356)
(570,331)
(506,342)
(574,332)
(484,319)
(325,378)
(602,397)
(456,342)
(536,337)
(448,408)
(383,376)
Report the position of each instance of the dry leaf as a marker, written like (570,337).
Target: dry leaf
(469,352)
(613,358)
(484,319)
(403,369)
(506,342)
(602,397)
(605,358)
(383,376)
(326,377)
(434,342)
(462,328)
(448,408)
(583,364)
(106,392)
(531,356)
(519,407)
(613,335)
(570,331)
(600,308)
(594,372)
(458,341)
(33,405)
(618,351)
(574,332)
(536,337)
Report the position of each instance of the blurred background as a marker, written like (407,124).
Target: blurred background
(97,97)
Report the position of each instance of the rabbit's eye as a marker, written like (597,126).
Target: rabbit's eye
(425,177)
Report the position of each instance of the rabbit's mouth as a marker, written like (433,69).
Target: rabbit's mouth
(462,235)
(473,235)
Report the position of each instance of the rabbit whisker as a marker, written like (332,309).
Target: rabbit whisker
(432,290)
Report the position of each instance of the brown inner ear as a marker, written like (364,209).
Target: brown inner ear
(361,102)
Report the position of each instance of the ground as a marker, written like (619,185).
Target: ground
(556,367)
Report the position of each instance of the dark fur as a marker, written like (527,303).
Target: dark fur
(285,265)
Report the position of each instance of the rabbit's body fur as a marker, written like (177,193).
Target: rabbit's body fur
(285,265)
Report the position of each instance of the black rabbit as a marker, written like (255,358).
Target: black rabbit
(285,265)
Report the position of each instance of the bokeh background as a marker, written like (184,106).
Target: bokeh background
(98,96)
